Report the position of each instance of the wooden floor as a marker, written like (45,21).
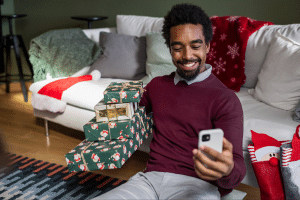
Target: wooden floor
(24,135)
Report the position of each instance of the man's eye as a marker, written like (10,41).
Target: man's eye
(176,49)
(196,47)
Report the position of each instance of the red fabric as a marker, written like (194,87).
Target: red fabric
(269,180)
(56,88)
(268,172)
(296,145)
(262,140)
(228,47)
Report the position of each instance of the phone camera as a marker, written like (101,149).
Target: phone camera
(205,137)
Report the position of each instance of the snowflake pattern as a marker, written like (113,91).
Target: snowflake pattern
(211,54)
(214,28)
(219,66)
(232,18)
(241,29)
(233,51)
(223,37)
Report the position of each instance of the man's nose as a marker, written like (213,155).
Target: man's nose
(187,53)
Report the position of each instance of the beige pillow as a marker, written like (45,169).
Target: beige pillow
(279,79)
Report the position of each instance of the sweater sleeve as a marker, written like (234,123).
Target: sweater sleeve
(229,117)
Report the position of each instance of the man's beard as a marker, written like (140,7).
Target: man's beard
(189,75)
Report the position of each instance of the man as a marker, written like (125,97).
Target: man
(183,103)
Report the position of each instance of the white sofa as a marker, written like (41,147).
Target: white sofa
(258,115)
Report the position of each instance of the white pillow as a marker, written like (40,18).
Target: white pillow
(279,79)
(138,25)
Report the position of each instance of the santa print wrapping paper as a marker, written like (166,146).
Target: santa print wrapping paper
(123,92)
(265,156)
(117,129)
(228,48)
(108,154)
(290,166)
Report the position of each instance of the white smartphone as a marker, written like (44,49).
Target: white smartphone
(212,138)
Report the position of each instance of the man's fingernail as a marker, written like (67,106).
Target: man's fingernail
(202,147)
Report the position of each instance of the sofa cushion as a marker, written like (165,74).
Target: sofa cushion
(258,45)
(263,118)
(138,25)
(123,57)
(159,60)
(279,79)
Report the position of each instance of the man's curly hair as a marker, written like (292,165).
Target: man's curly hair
(186,14)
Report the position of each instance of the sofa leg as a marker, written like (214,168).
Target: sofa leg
(46,127)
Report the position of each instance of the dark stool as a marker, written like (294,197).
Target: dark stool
(16,41)
(89,19)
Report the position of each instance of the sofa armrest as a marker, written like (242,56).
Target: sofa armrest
(93,34)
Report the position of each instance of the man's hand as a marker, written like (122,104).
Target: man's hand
(221,165)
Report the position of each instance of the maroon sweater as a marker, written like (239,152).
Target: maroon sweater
(180,112)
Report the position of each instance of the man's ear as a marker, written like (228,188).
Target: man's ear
(207,47)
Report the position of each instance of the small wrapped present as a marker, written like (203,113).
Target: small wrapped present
(114,129)
(108,154)
(123,92)
(111,112)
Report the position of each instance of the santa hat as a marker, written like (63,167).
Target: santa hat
(264,144)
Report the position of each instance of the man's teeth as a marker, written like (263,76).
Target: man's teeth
(189,65)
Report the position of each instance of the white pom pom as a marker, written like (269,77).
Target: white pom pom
(96,75)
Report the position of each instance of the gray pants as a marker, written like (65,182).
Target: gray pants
(161,185)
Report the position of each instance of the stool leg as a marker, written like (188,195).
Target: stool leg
(22,45)
(8,62)
(19,63)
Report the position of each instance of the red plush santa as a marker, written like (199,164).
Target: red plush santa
(264,155)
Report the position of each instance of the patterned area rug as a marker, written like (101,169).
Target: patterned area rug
(26,178)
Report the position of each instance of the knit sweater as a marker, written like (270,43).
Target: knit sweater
(180,112)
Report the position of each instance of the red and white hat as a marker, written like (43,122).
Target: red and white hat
(264,144)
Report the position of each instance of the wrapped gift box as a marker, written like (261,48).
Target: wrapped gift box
(123,92)
(111,112)
(108,154)
(114,129)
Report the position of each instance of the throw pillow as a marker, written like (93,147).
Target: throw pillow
(279,79)
(159,60)
(123,57)
(138,25)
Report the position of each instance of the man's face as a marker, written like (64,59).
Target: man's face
(188,49)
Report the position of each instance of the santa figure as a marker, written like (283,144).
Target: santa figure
(95,158)
(117,146)
(100,165)
(105,149)
(129,154)
(116,156)
(124,149)
(69,162)
(100,147)
(135,147)
(123,95)
(132,129)
(82,167)
(136,95)
(123,161)
(77,157)
(94,126)
(264,155)
(131,143)
(112,124)
(104,133)
(112,166)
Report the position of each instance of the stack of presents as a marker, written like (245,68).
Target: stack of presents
(119,127)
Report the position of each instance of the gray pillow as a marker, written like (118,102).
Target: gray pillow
(123,57)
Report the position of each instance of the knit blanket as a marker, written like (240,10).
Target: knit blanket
(228,48)
(61,53)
